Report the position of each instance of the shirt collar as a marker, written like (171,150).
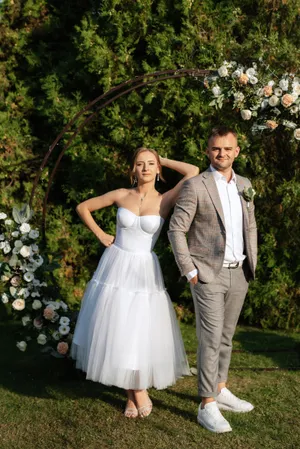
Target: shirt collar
(218,176)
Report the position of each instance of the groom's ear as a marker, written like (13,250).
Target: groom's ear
(237,151)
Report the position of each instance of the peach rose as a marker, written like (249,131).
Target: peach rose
(62,348)
(243,79)
(271,124)
(268,91)
(287,100)
(49,313)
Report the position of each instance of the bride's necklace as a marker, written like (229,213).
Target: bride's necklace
(141,201)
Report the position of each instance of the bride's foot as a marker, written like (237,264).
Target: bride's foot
(143,403)
(130,409)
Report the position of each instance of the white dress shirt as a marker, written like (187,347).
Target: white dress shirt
(233,216)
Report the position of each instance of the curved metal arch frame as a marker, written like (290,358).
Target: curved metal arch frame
(107,98)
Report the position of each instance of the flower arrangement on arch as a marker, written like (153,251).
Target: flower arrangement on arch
(265,101)
(24,289)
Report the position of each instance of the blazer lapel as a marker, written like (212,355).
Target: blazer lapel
(212,189)
(240,187)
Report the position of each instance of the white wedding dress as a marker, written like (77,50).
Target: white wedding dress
(127,333)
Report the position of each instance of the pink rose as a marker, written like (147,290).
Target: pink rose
(62,348)
(243,79)
(49,313)
(287,100)
(268,91)
(271,124)
(38,323)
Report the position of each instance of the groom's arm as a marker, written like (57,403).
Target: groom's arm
(180,223)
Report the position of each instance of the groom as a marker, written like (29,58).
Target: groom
(219,259)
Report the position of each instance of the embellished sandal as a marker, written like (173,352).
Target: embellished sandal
(131,412)
(145,410)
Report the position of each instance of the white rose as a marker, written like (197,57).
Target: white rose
(222,71)
(15,233)
(216,90)
(284,84)
(4,298)
(28,276)
(34,233)
(65,321)
(25,228)
(8,222)
(253,80)
(237,73)
(2,245)
(18,304)
(18,244)
(22,345)
(36,304)
(25,250)
(6,248)
(278,92)
(25,320)
(64,330)
(297,134)
(250,72)
(2,237)
(246,114)
(2,216)
(42,338)
(239,96)
(273,101)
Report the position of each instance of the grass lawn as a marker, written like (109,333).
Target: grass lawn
(46,404)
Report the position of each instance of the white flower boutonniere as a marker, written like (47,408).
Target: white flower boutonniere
(248,194)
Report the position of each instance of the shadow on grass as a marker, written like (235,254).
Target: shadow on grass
(283,349)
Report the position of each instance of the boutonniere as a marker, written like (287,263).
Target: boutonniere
(248,194)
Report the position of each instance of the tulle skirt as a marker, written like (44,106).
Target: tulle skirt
(127,332)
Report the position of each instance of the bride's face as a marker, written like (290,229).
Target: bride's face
(146,167)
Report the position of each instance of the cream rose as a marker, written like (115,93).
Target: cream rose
(287,100)
(246,114)
(25,251)
(297,134)
(18,304)
(22,345)
(42,339)
(273,100)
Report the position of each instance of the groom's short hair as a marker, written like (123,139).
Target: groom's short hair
(220,131)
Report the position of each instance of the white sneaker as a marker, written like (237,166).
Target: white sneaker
(211,418)
(228,401)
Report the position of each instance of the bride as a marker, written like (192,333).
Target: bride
(127,333)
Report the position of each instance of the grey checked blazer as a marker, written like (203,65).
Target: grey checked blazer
(198,212)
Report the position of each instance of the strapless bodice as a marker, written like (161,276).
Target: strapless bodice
(137,233)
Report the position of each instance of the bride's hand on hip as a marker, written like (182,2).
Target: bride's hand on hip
(194,280)
(106,239)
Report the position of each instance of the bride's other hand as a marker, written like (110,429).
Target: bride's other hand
(106,239)
(194,280)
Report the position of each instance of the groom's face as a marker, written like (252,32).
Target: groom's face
(222,150)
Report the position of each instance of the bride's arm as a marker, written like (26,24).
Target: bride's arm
(85,208)
(187,170)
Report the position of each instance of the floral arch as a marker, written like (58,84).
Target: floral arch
(267,102)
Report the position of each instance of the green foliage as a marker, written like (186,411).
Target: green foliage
(57,56)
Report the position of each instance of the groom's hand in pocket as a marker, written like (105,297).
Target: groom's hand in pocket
(194,280)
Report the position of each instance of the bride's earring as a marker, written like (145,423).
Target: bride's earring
(157,177)
(134,181)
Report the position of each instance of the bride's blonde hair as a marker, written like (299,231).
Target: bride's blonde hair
(134,159)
